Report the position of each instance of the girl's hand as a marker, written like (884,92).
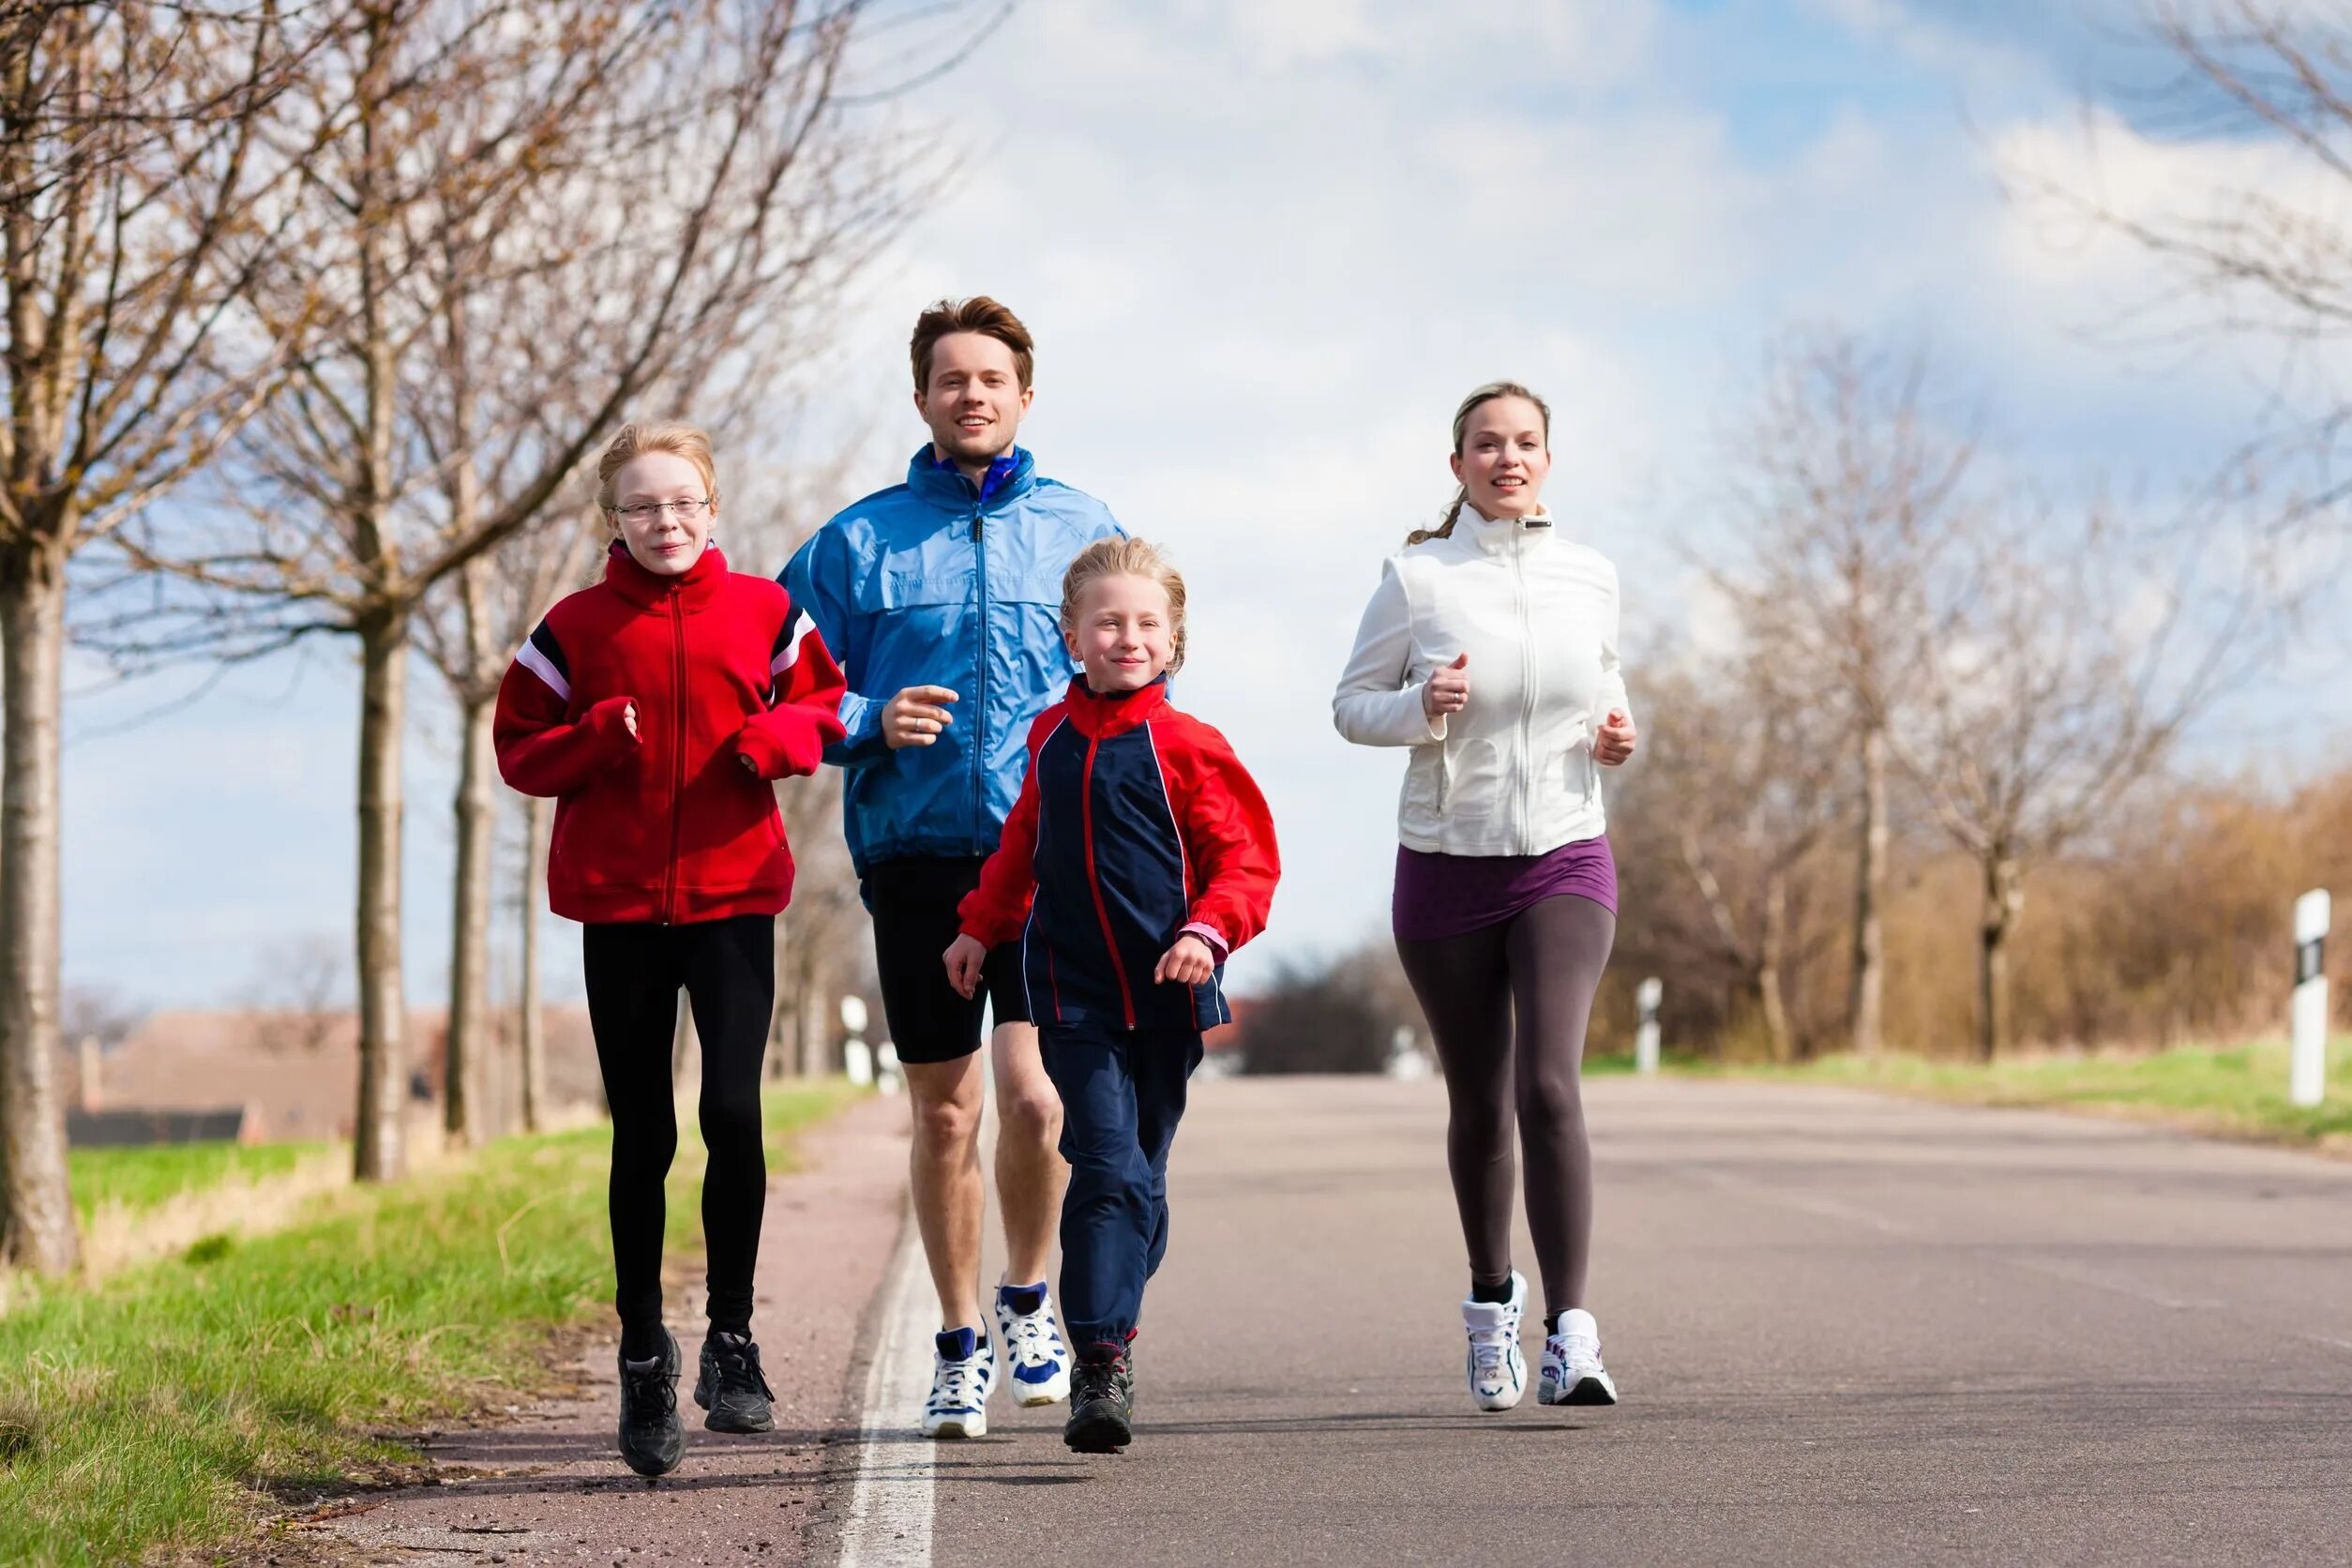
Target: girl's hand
(628,716)
(1448,690)
(1188,963)
(965,958)
(1615,740)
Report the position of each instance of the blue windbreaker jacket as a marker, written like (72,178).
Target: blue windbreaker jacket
(932,583)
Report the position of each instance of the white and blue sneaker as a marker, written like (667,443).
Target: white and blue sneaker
(1498,1372)
(963,1372)
(1034,1347)
(1572,1374)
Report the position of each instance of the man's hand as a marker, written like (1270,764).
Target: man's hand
(1615,740)
(1448,690)
(1188,963)
(965,959)
(916,716)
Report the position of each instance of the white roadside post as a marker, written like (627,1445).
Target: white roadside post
(857,1058)
(2306,1078)
(1646,996)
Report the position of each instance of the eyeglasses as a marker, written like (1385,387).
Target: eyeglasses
(651,511)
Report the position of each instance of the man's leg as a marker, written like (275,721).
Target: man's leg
(945,1176)
(1031,1173)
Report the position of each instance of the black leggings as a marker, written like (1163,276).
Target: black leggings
(728,970)
(1542,967)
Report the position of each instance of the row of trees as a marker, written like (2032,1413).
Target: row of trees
(357,286)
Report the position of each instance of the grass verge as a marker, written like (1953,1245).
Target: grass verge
(138,1179)
(2231,1091)
(167,1407)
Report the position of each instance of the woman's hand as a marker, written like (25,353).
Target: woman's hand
(1188,963)
(1615,740)
(965,959)
(1448,690)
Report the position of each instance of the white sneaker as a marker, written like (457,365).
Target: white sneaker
(1572,1374)
(1498,1372)
(1039,1356)
(958,1406)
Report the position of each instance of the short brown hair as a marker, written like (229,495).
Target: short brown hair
(1124,556)
(979,314)
(634,441)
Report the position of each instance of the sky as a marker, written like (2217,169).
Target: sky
(1264,249)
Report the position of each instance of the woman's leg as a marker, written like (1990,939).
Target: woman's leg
(632,979)
(730,980)
(1463,984)
(1558,949)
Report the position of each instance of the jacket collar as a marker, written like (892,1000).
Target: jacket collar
(697,585)
(1011,476)
(1099,718)
(1495,536)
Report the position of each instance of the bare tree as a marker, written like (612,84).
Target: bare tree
(1847,487)
(748,190)
(136,181)
(300,994)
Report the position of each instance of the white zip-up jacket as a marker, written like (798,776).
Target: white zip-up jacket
(1511,773)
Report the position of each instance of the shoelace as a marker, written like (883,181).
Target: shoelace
(1488,1347)
(656,1395)
(1579,1349)
(740,1369)
(1033,1338)
(956,1385)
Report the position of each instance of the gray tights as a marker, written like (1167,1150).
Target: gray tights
(1540,969)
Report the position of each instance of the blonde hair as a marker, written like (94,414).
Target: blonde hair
(1470,405)
(636,441)
(1126,557)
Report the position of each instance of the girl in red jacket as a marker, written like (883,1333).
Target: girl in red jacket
(657,707)
(1138,856)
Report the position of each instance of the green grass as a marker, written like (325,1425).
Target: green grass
(165,1409)
(147,1177)
(2234,1090)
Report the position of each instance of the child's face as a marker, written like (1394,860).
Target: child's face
(659,538)
(1124,634)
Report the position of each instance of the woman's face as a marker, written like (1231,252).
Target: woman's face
(662,536)
(1504,458)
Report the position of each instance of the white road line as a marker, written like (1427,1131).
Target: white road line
(890,1512)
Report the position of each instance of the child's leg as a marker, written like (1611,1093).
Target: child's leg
(1107,1214)
(1164,1061)
(632,980)
(730,979)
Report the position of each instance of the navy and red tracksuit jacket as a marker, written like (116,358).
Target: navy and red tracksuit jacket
(1135,824)
(670,824)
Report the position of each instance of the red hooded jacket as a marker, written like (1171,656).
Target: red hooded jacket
(670,824)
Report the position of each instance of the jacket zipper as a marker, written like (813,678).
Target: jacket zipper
(677,755)
(1095,881)
(1527,689)
(980,675)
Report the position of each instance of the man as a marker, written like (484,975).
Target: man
(941,597)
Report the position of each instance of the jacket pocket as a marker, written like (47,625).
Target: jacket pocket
(1573,778)
(1424,782)
(1471,784)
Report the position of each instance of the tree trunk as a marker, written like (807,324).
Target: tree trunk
(2004,896)
(464,1108)
(380,1155)
(1771,951)
(1869,883)
(537,816)
(37,1223)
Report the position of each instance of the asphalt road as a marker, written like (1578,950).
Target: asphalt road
(1846,1329)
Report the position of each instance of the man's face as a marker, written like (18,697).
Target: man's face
(974,400)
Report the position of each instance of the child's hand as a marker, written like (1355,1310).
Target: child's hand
(628,716)
(1615,740)
(965,958)
(1188,963)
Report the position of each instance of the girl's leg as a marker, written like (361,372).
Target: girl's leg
(730,979)
(1108,1213)
(1163,1065)
(1463,984)
(1558,949)
(633,982)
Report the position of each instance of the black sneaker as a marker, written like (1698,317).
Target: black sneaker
(653,1439)
(1102,1401)
(731,1386)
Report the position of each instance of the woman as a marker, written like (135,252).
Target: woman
(1490,648)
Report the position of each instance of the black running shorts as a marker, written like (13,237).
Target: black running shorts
(914,905)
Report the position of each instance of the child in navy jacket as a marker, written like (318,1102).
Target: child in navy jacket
(1138,856)
(657,707)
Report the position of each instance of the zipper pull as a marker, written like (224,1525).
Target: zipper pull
(975,528)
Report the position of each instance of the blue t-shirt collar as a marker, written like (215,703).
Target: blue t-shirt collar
(1001,473)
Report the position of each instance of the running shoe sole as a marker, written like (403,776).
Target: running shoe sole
(1102,1431)
(719,1421)
(1584,1391)
(953,1427)
(1051,1391)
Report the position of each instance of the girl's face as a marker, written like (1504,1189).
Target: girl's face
(1504,458)
(1125,635)
(662,536)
